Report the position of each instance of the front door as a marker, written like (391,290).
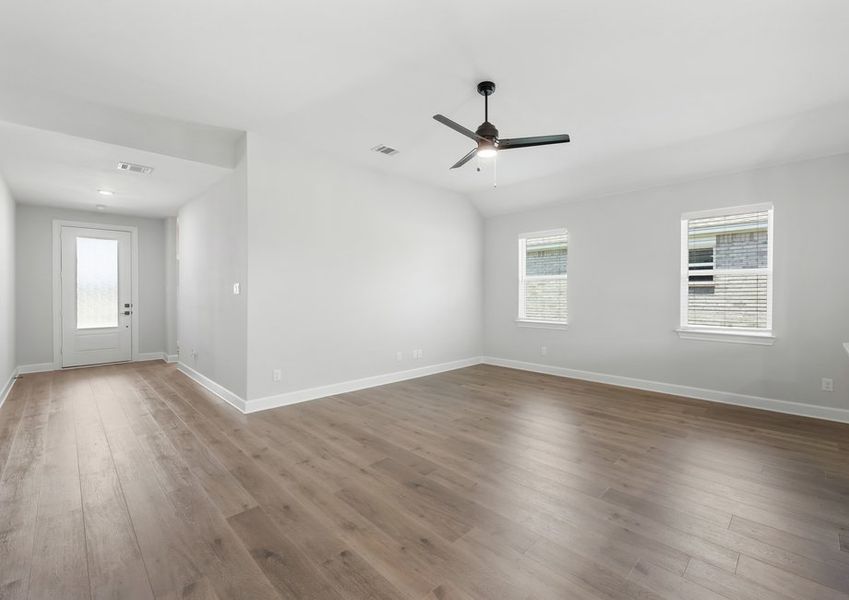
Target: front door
(97,308)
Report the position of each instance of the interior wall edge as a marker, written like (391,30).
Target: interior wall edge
(7,387)
(315,393)
(216,388)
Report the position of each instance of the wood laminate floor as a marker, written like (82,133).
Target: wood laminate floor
(484,483)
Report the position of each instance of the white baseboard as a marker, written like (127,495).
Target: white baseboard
(145,356)
(353,385)
(780,406)
(7,387)
(285,399)
(163,356)
(45,367)
(36,368)
(219,390)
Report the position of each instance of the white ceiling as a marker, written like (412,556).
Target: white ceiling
(628,80)
(56,169)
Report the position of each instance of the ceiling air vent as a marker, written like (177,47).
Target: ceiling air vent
(385,150)
(134,168)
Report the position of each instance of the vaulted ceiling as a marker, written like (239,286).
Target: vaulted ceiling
(651,91)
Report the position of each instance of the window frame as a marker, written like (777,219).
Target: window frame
(521,319)
(745,335)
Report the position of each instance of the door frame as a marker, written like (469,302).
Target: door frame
(57,283)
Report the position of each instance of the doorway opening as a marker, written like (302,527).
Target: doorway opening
(95,294)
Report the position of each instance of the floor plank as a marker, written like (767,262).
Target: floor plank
(20,486)
(62,569)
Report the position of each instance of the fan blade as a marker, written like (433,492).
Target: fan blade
(527,142)
(466,158)
(457,127)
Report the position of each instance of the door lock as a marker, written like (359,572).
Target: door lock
(128,312)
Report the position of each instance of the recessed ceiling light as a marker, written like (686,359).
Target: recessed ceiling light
(100,207)
(106,192)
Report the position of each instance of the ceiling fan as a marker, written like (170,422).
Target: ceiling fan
(486,135)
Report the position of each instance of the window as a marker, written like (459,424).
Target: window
(701,259)
(97,283)
(542,277)
(726,279)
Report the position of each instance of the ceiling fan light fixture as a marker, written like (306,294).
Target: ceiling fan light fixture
(486,136)
(486,149)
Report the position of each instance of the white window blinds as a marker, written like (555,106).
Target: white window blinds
(542,277)
(727,269)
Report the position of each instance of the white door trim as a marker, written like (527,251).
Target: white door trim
(57,282)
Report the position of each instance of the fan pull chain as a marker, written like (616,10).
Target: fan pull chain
(495,171)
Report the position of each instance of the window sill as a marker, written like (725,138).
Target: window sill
(758,338)
(540,324)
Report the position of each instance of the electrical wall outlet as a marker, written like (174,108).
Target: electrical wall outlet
(194,354)
(827,384)
(276,375)
(543,350)
(237,289)
(399,356)
(418,353)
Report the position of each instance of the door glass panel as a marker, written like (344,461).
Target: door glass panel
(97,283)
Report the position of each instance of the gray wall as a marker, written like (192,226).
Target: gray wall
(171,286)
(7,286)
(624,278)
(349,267)
(35,273)
(212,247)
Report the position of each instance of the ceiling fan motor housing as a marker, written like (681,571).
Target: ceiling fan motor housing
(487,130)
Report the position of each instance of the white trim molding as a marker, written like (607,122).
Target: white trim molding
(219,390)
(540,324)
(827,413)
(297,396)
(740,209)
(7,387)
(145,356)
(36,368)
(49,366)
(355,384)
(764,338)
